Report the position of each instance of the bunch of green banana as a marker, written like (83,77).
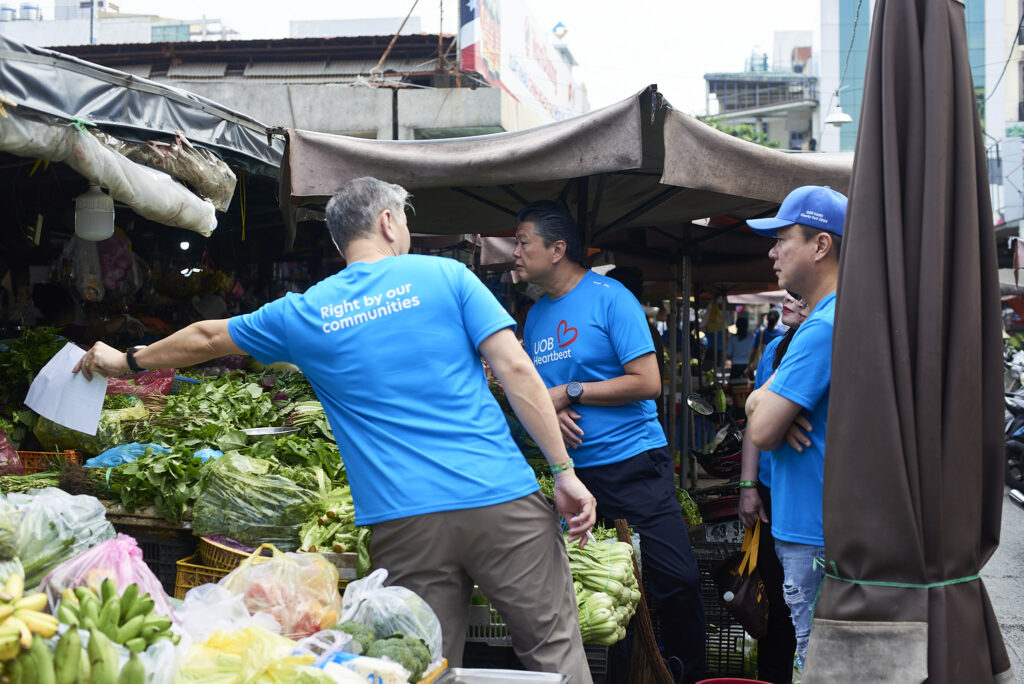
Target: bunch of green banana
(127,619)
(103,663)
(32,666)
(21,617)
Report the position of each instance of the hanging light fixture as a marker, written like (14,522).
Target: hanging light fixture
(94,214)
(838,117)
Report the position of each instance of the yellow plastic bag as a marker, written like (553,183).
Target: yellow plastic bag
(299,589)
(248,656)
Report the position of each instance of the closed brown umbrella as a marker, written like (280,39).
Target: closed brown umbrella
(913,466)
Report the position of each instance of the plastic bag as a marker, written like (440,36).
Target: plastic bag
(56,526)
(54,436)
(86,269)
(299,589)
(142,384)
(119,559)
(10,462)
(248,656)
(10,567)
(125,453)
(387,610)
(210,607)
(241,500)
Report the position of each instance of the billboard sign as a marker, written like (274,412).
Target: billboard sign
(501,41)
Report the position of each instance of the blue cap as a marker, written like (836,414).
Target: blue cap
(815,206)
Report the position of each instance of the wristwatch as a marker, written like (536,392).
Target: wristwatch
(574,391)
(130,355)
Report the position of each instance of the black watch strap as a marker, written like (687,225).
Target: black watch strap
(132,365)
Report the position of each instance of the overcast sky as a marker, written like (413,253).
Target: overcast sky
(621,46)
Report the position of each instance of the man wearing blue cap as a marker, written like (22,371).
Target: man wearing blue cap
(787,415)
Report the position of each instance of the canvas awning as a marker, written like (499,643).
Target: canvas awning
(628,171)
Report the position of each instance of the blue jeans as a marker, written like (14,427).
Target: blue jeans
(800,586)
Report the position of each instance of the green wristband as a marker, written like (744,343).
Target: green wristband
(747,484)
(562,467)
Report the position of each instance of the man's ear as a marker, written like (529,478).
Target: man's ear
(823,247)
(558,251)
(386,223)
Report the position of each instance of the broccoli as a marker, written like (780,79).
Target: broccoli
(410,653)
(359,632)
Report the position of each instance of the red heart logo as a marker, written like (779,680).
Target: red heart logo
(563,331)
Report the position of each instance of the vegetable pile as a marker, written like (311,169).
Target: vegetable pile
(606,590)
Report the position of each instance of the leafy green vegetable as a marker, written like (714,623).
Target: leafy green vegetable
(20,359)
(168,482)
(256,501)
(296,451)
(209,415)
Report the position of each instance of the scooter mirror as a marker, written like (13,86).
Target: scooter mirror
(700,405)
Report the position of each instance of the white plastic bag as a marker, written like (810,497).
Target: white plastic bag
(210,607)
(387,610)
(85,268)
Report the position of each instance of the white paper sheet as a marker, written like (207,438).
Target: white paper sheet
(66,398)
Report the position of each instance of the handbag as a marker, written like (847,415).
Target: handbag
(738,575)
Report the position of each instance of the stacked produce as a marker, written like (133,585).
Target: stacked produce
(407,651)
(606,589)
(127,619)
(335,531)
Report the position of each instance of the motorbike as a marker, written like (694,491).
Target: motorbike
(722,457)
(1014,421)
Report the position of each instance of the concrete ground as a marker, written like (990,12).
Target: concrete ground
(1004,581)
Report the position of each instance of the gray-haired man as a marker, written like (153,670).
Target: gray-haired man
(392,346)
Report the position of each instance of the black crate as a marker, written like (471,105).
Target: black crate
(725,637)
(480,655)
(161,554)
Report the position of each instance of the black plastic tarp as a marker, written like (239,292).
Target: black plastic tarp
(65,87)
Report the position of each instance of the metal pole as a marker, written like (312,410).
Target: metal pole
(92,22)
(684,453)
(673,357)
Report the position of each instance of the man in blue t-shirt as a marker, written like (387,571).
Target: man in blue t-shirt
(787,415)
(392,347)
(589,339)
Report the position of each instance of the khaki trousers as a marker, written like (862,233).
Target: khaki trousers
(514,552)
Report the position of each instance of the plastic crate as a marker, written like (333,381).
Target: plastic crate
(191,574)
(725,636)
(35,461)
(162,554)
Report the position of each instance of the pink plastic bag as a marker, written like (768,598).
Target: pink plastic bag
(120,559)
(10,462)
(148,382)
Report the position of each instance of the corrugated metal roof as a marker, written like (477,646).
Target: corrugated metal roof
(198,70)
(140,70)
(263,69)
(347,68)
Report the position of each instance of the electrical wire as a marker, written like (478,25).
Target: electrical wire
(1013,47)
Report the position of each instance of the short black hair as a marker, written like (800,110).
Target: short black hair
(810,233)
(553,222)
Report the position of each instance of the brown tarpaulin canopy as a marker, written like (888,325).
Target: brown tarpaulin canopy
(913,473)
(607,166)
